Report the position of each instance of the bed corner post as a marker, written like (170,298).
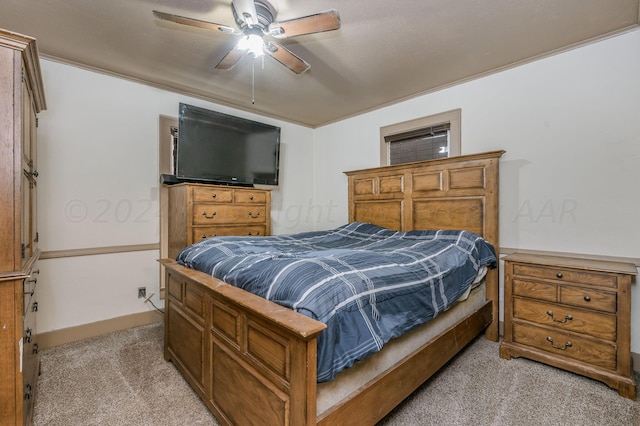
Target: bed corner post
(492,234)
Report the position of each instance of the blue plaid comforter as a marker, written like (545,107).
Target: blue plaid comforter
(366,283)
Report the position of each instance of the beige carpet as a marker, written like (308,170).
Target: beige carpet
(122,379)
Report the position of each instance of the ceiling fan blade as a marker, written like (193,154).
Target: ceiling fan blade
(286,57)
(246,9)
(317,23)
(231,58)
(194,22)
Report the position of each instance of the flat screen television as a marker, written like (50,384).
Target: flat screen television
(213,147)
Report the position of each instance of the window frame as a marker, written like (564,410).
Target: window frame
(452,117)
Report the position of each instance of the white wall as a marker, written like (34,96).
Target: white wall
(571,127)
(98,186)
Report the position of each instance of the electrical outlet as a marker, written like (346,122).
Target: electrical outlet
(142,292)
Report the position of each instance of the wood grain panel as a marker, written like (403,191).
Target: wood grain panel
(594,324)
(391,184)
(202,232)
(194,301)
(203,194)
(175,288)
(242,395)
(186,341)
(448,213)
(365,186)
(566,275)
(432,181)
(535,290)
(588,298)
(382,213)
(573,346)
(249,197)
(269,349)
(225,321)
(470,177)
(207,214)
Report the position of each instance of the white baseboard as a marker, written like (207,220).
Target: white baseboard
(84,331)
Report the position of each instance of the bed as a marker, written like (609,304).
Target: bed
(253,361)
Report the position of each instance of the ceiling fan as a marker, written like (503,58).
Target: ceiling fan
(255,20)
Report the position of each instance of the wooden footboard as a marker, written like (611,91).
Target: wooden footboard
(254,362)
(250,360)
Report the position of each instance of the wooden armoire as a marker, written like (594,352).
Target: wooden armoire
(21,98)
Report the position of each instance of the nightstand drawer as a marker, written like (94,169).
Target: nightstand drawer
(565,275)
(565,318)
(535,290)
(568,345)
(587,298)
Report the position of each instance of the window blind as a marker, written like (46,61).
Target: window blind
(427,143)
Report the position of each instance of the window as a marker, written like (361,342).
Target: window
(426,138)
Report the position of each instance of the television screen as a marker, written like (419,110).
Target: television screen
(220,148)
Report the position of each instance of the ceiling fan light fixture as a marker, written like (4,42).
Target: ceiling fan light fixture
(253,44)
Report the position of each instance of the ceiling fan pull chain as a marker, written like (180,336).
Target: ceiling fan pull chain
(253,82)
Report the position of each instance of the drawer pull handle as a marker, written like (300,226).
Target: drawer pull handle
(251,198)
(27,335)
(254,216)
(562,348)
(35,349)
(559,275)
(562,321)
(207,216)
(587,298)
(35,307)
(251,233)
(28,393)
(213,195)
(204,236)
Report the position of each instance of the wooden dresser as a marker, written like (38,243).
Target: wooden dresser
(571,313)
(21,98)
(199,211)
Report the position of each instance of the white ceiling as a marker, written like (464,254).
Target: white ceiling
(385,52)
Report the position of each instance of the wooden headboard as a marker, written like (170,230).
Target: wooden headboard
(449,193)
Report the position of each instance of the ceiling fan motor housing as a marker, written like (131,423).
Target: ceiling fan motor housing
(265,12)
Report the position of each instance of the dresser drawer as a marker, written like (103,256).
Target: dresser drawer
(205,214)
(594,324)
(587,298)
(206,194)
(565,275)
(200,233)
(567,345)
(247,197)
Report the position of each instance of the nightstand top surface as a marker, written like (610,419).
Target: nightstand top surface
(574,262)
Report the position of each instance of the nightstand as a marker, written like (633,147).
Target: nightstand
(571,313)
